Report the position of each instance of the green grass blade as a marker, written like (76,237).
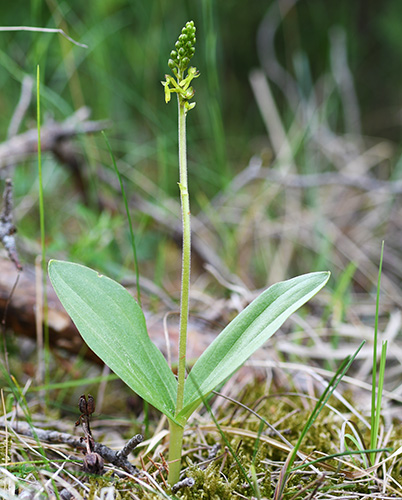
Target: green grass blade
(228,445)
(375,410)
(381,375)
(358,445)
(333,384)
(42,233)
(336,455)
(123,192)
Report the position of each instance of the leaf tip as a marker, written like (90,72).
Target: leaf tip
(50,265)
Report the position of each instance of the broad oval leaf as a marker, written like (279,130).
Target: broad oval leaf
(113,326)
(245,334)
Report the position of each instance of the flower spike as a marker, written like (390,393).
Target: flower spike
(178,62)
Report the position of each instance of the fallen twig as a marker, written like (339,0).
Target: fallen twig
(364,183)
(187,482)
(255,171)
(20,147)
(7,228)
(116,458)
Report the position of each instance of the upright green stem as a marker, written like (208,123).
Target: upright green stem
(175,449)
(176,431)
(186,256)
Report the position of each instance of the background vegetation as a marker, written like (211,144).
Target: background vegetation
(119,75)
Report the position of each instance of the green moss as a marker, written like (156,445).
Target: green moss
(223,479)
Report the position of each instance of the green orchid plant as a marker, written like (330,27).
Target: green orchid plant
(113,325)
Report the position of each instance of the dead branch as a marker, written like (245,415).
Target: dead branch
(7,228)
(117,458)
(22,146)
(255,171)
(363,183)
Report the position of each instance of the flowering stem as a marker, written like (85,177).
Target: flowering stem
(176,432)
(180,84)
(186,256)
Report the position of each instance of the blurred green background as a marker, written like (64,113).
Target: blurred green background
(119,76)
(129,42)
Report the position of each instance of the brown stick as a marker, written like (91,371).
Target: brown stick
(22,146)
(117,458)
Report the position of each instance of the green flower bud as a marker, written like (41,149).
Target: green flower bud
(179,62)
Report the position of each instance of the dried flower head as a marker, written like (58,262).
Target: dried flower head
(93,463)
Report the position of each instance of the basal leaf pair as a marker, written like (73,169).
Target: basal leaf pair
(113,326)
